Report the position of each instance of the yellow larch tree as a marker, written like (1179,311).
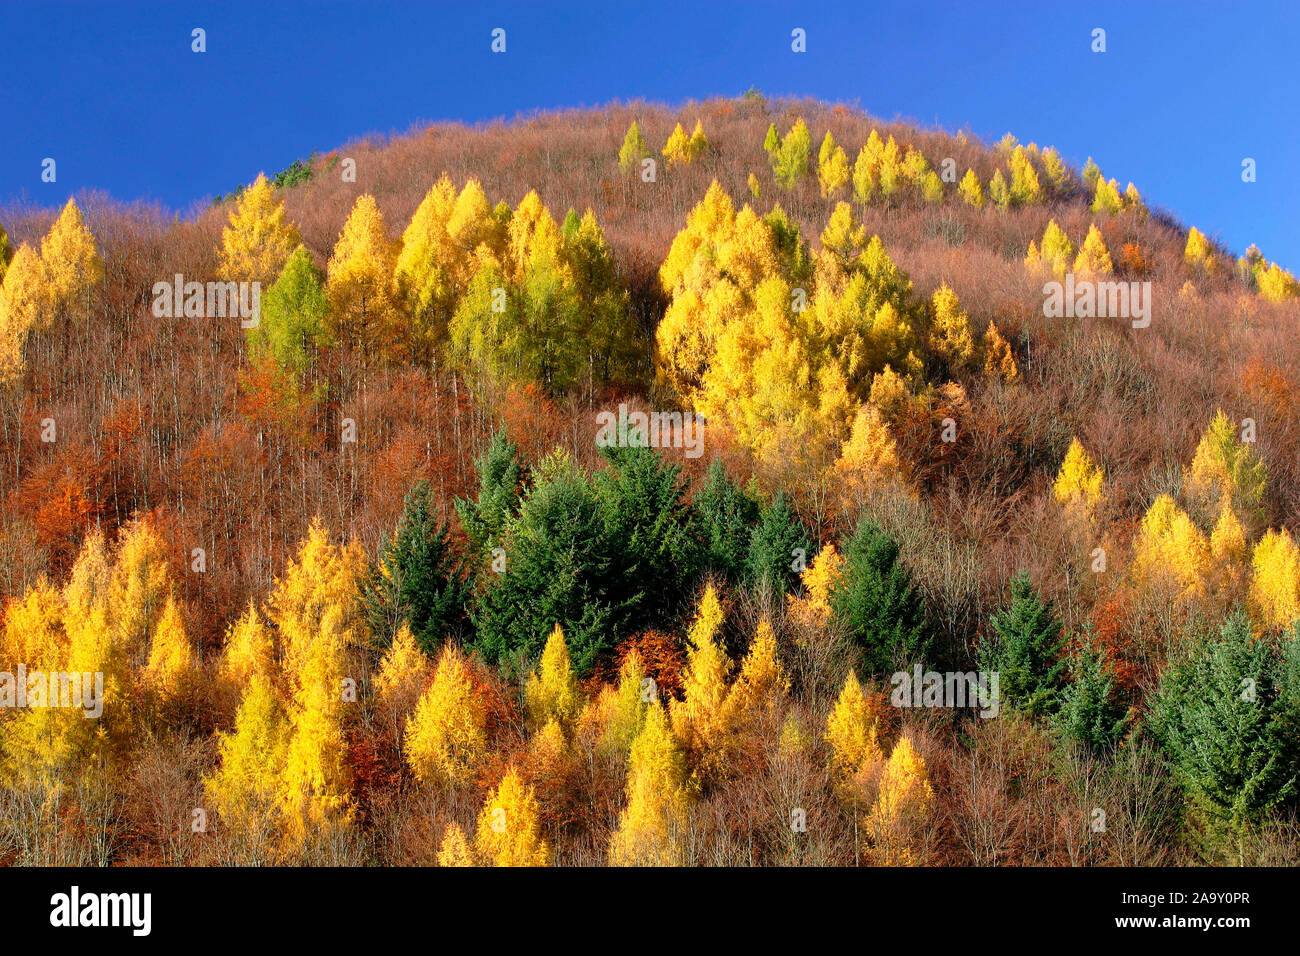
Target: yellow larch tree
(425,271)
(172,668)
(509,831)
(363,304)
(1057,250)
(762,684)
(245,786)
(902,806)
(867,460)
(258,241)
(832,167)
(455,849)
(950,333)
(652,826)
(249,651)
(551,690)
(139,587)
(623,708)
(1093,259)
(1170,549)
(971,190)
(998,360)
(1275,582)
(1079,481)
(699,143)
(446,736)
(1228,551)
(1225,468)
(72,263)
(851,732)
(819,578)
(1107,198)
(403,672)
(677,150)
(701,719)
(25,304)
(1198,253)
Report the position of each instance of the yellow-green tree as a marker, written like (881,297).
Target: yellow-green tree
(245,787)
(551,690)
(832,167)
(1025,188)
(971,190)
(652,826)
(509,831)
(1225,469)
(634,148)
(258,241)
(446,737)
(999,194)
(698,144)
(792,158)
(1057,250)
(1106,198)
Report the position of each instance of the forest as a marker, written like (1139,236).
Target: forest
(703,485)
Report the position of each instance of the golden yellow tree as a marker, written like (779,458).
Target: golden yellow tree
(403,672)
(1225,468)
(867,460)
(1079,480)
(851,732)
(762,684)
(652,825)
(363,307)
(258,241)
(701,719)
(72,263)
(172,669)
(902,806)
(509,831)
(428,269)
(455,849)
(1093,259)
(1198,252)
(625,706)
(446,736)
(1171,549)
(25,304)
(819,578)
(677,149)
(1275,583)
(245,786)
(249,651)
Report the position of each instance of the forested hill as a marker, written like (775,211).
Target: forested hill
(937,402)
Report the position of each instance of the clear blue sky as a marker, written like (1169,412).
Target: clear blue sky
(1184,92)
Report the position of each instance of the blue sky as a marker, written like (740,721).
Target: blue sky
(1184,92)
